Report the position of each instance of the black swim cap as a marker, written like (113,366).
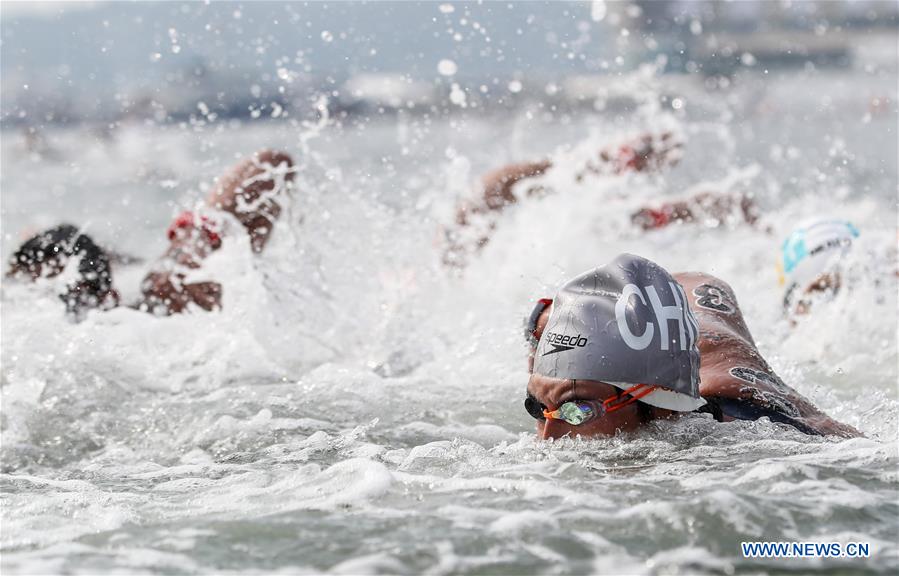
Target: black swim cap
(53,248)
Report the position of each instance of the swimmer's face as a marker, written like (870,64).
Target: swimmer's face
(553,392)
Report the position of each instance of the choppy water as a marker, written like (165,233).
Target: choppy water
(356,408)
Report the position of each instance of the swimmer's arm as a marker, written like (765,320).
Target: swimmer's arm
(244,184)
(817,424)
(249,192)
(650,218)
(497,188)
(713,205)
(732,398)
(166,292)
(648,153)
(730,409)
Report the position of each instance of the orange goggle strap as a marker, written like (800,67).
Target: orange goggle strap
(634,393)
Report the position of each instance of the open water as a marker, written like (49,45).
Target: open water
(357,408)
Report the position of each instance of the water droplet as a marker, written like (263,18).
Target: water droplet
(457,96)
(598,10)
(447,67)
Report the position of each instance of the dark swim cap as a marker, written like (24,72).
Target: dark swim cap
(625,323)
(50,250)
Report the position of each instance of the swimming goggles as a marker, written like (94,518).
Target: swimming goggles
(577,412)
(530,326)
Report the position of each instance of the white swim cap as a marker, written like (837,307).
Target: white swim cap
(814,248)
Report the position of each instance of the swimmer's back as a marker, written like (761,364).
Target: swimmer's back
(734,376)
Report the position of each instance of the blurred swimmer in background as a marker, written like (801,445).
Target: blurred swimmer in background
(475,219)
(628,343)
(811,266)
(247,197)
(708,207)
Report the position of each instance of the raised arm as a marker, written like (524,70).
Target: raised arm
(496,189)
(473,222)
(251,191)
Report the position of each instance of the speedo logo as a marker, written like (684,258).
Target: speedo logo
(563,342)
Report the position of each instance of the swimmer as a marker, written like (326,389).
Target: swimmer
(47,254)
(711,208)
(474,223)
(251,192)
(248,197)
(810,266)
(617,348)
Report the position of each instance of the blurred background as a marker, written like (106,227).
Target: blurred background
(107,63)
(95,75)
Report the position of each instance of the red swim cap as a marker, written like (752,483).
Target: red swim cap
(187,220)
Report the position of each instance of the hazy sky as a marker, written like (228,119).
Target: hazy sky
(96,51)
(70,46)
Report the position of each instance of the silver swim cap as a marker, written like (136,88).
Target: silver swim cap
(625,323)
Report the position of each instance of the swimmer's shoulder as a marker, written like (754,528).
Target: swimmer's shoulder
(700,283)
(715,307)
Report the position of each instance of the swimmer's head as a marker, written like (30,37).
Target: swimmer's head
(810,261)
(617,347)
(47,254)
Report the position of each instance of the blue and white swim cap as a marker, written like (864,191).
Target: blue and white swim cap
(814,248)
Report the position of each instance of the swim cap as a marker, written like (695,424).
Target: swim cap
(187,220)
(625,323)
(48,253)
(813,249)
